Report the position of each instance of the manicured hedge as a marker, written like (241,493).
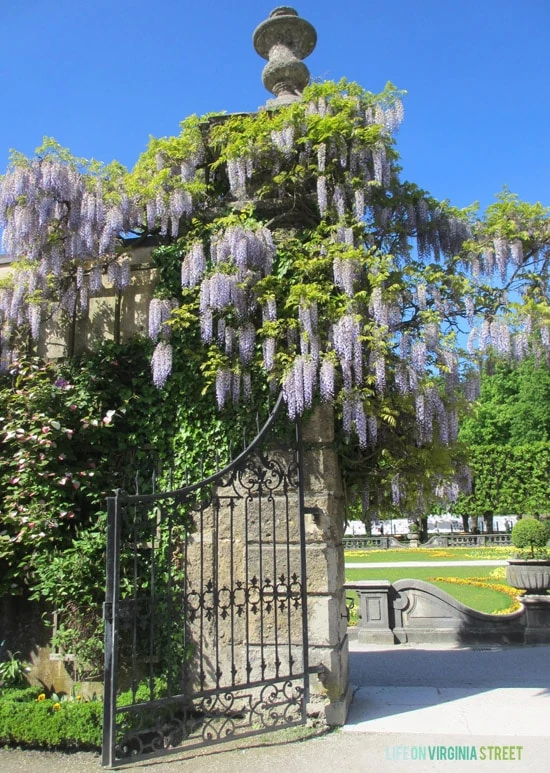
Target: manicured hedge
(28,720)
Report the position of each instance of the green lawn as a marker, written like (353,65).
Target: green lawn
(428,554)
(490,600)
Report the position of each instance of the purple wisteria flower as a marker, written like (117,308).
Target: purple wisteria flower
(322,199)
(193,265)
(160,310)
(269,348)
(247,338)
(269,311)
(359,203)
(520,345)
(161,363)
(326,380)
(354,418)
(322,157)
(224,379)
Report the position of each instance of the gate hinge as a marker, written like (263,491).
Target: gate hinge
(321,669)
(315,512)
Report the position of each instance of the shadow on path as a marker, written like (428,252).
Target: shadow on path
(430,690)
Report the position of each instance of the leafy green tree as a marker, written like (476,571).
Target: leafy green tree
(514,406)
(506,439)
(507,480)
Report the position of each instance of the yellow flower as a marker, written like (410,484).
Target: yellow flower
(56,706)
(41,697)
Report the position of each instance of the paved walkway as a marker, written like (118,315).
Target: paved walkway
(409,703)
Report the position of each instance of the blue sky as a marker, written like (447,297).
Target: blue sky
(101,76)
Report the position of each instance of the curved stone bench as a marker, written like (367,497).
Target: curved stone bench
(417,612)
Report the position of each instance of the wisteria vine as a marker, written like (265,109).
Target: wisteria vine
(303,259)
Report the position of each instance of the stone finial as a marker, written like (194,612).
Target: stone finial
(284,39)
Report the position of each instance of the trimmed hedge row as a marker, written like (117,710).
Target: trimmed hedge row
(27,719)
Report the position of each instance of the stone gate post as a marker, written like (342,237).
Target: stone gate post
(330,693)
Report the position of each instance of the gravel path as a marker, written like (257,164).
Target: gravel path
(485,671)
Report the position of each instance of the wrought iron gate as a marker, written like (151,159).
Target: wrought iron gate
(205,612)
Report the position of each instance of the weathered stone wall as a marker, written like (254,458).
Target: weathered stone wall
(110,314)
(26,628)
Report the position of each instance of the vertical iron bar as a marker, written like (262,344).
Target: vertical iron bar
(112,561)
(134,609)
(201,602)
(247,588)
(152,594)
(169,549)
(303,573)
(261,579)
(185,621)
(275,579)
(216,579)
(232,586)
(289,585)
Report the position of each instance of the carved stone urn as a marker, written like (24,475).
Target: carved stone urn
(284,39)
(531,575)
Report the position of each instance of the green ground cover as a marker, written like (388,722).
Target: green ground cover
(481,588)
(31,718)
(428,554)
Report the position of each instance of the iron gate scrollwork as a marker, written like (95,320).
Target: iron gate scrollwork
(206,608)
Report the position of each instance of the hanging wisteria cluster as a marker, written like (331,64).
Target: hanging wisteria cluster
(302,257)
(58,223)
(349,357)
(64,225)
(238,258)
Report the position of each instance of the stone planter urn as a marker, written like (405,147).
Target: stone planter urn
(531,575)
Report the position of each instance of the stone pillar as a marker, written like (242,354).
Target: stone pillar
(537,618)
(330,693)
(374,611)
